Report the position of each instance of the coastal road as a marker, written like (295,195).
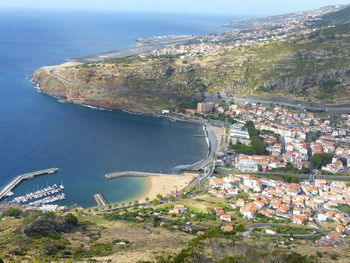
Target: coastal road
(290,102)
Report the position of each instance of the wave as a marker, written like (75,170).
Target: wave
(93,107)
(134,113)
(189,166)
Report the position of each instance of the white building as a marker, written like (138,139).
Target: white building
(247,166)
(239,131)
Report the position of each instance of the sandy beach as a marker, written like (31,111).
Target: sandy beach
(165,185)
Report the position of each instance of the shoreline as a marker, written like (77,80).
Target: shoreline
(164,185)
(169,183)
(210,134)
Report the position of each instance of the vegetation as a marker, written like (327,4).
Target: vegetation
(321,159)
(243,253)
(257,144)
(345,208)
(290,169)
(43,224)
(13,212)
(284,229)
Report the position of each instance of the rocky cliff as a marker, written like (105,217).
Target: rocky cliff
(312,67)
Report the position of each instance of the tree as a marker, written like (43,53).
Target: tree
(115,205)
(136,202)
(109,206)
(95,209)
(171,198)
(321,159)
(159,196)
(240,228)
(305,170)
(183,196)
(155,202)
(71,219)
(123,204)
(13,212)
(147,199)
(344,161)
(88,210)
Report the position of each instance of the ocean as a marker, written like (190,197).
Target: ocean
(38,132)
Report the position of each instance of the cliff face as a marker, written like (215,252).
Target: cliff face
(314,67)
(133,84)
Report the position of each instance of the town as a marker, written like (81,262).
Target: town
(282,139)
(305,203)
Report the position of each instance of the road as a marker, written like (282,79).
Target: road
(333,177)
(265,225)
(290,102)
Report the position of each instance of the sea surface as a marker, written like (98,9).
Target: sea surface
(38,132)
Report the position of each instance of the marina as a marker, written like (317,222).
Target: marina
(38,194)
(48,200)
(7,190)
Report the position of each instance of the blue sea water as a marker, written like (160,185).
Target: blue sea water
(37,132)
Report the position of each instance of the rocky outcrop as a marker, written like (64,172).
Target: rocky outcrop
(140,88)
(48,223)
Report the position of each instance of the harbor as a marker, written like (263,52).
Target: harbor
(7,190)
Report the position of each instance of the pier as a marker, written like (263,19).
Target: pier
(17,180)
(132,174)
(100,200)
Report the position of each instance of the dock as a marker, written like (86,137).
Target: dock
(17,180)
(100,200)
(132,174)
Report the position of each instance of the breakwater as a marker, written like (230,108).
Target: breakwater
(132,174)
(6,191)
(100,200)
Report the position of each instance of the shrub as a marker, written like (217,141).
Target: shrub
(334,257)
(71,219)
(14,212)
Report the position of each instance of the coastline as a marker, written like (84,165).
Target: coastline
(211,135)
(165,185)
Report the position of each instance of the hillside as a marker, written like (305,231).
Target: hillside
(308,66)
(334,18)
(121,237)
